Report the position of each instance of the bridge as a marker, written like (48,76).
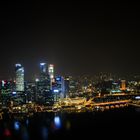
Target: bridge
(107,105)
(112,103)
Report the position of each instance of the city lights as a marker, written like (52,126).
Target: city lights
(69,70)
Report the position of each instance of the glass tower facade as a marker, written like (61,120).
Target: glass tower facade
(51,72)
(19,77)
(44,95)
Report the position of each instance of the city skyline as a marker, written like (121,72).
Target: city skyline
(51,70)
(78,38)
(69,70)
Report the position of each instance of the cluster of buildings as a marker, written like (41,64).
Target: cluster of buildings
(45,90)
(49,88)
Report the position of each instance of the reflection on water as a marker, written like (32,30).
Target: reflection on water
(68,125)
(7,132)
(16,125)
(44,132)
(38,126)
(25,134)
(57,122)
(47,126)
(27,122)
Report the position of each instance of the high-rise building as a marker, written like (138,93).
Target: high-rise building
(30,90)
(51,72)
(44,80)
(19,77)
(72,86)
(44,95)
(67,86)
(43,71)
(58,88)
(43,67)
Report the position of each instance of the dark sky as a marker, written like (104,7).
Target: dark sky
(79,37)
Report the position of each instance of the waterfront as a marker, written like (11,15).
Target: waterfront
(110,124)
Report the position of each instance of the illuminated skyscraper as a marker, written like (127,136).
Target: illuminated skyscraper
(43,72)
(44,80)
(58,88)
(51,72)
(19,77)
(43,67)
(44,95)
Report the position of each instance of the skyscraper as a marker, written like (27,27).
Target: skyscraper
(51,72)
(43,72)
(44,80)
(19,77)
(58,88)
(44,95)
(67,84)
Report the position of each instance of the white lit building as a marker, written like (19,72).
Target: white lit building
(19,77)
(51,72)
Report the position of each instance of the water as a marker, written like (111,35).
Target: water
(112,124)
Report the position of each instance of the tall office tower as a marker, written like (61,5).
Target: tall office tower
(58,88)
(19,77)
(43,72)
(72,86)
(67,88)
(44,77)
(51,72)
(44,95)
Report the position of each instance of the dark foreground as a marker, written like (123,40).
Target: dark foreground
(120,123)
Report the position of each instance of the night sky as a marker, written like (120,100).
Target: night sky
(79,38)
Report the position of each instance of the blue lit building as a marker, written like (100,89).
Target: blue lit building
(58,88)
